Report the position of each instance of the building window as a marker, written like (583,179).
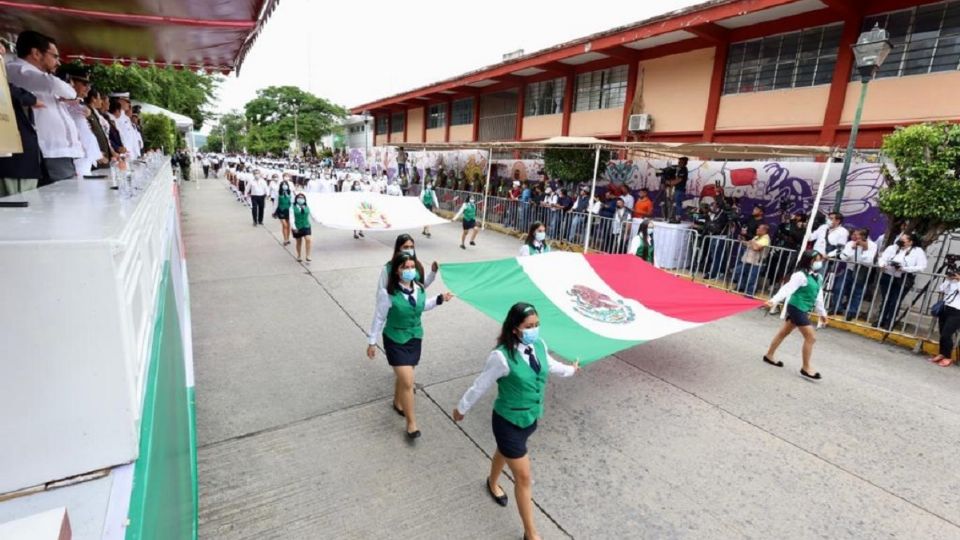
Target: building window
(396,122)
(794,60)
(382,125)
(437,116)
(462,113)
(926,39)
(602,89)
(545,97)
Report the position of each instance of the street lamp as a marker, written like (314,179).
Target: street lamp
(871,49)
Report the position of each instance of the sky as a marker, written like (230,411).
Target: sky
(353,53)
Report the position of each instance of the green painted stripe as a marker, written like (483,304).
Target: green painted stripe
(494,286)
(163,504)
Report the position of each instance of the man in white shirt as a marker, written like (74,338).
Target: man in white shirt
(37,60)
(830,237)
(900,262)
(78,79)
(257,189)
(859,254)
(393,189)
(131,137)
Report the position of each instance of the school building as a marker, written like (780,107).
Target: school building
(748,71)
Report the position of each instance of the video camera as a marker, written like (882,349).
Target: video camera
(951,264)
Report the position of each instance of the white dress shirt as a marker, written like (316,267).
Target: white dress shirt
(526,250)
(56,129)
(497,368)
(394,190)
(384,302)
(257,187)
(824,235)
(797,280)
(951,293)
(856,254)
(88,141)
(910,260)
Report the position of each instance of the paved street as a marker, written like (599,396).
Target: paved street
(691,436)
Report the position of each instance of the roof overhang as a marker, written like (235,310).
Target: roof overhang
(213,36)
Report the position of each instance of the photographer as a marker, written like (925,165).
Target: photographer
(830,237)
(716,226)
(949,317)
(789,237)
(899,263)
(859,254)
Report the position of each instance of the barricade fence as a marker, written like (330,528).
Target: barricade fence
(860,294)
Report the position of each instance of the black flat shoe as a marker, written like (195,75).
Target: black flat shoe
(414,435)
(463,246)
(771,362)
(501,500)
(815,376)
(397,409)
(473,243)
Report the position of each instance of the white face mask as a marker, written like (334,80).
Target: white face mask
(540,236)
(817,266)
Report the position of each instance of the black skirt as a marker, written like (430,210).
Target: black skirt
(283,214)
(469,224)
(300,233)
(402,354)
(797,316)
(511,440)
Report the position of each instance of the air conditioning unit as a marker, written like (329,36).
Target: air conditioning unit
(640,122)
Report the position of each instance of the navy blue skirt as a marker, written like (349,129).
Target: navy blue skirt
(511,440)
(469,224)
(797,316)
(402,354)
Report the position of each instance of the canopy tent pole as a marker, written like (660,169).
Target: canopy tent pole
(593,191)
(486,189)
(816,204)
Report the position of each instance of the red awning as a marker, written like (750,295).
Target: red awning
(210,34)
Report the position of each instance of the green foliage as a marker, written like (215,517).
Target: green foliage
(922,194)
(179,90)
(228,134)
(159,131)
(280,112)
(572,165)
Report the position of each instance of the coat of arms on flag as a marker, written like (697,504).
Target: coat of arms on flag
(599,306)
(370,217)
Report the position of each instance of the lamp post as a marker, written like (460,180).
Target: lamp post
(871,49)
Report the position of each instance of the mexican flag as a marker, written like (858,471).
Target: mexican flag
(592,306)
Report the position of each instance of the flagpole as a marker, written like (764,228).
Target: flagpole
(486,188)
(593,191)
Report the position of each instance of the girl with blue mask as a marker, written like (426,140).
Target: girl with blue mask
(469,212)
(405,244)
(536,243)
(803,292)
(520,367)
(281,209)
(397,317)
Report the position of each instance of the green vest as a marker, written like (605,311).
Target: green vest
(639,252)
(301,216)
(403,320)
(531,251)
(470,212)
(520,394)
(428,198)
(806,297)
(284,202)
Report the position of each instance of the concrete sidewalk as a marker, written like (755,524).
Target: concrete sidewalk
(690,436)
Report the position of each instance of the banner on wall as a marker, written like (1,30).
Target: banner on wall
(9,135)
(370,212)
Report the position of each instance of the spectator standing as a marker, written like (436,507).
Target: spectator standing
(831,237)
(579,214)
(859,254)
(753,261)
(401,162)
(92,156)
(949,317)
(37,60)
(621,220)
(643,208)
(98,124)
(21,172)
(900,263)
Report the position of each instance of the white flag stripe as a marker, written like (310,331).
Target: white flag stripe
(558,273)
(370,211)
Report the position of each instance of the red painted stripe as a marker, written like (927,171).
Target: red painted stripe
(631,277)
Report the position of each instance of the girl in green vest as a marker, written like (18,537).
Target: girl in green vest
(520,366)
(469,213)
(805,293)
(405,244)
(397,317)
(301,224)
(642,243)
(429,198)
(536,243)
(281,210)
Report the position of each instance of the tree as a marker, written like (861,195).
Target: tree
(280,113)
(179,90)
(228,134)
(573,164)
(922,192)
(159,131)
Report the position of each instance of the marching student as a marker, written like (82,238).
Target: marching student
(405,244)
(805,292)
(642,243)
(536,242)
(301,224)
(397,316)
(429,199)
(281,209)
(517,367)
(469,212)
(357,188)
(256,190)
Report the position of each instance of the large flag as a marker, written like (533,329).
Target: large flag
(358,210)
(592,306)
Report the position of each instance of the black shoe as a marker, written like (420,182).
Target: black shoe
(815,376)
(501,500)
(397,409)
(463,246)
(414,435)
(472,243)
(361,234)
(355,237)
(771,362)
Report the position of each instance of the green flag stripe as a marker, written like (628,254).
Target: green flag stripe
(494,286)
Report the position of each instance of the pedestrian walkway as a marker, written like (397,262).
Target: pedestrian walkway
(690,436)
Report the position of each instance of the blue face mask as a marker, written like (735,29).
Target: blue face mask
(409,251)
(530,336)
(409,274)
(817,266)
(539,236)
